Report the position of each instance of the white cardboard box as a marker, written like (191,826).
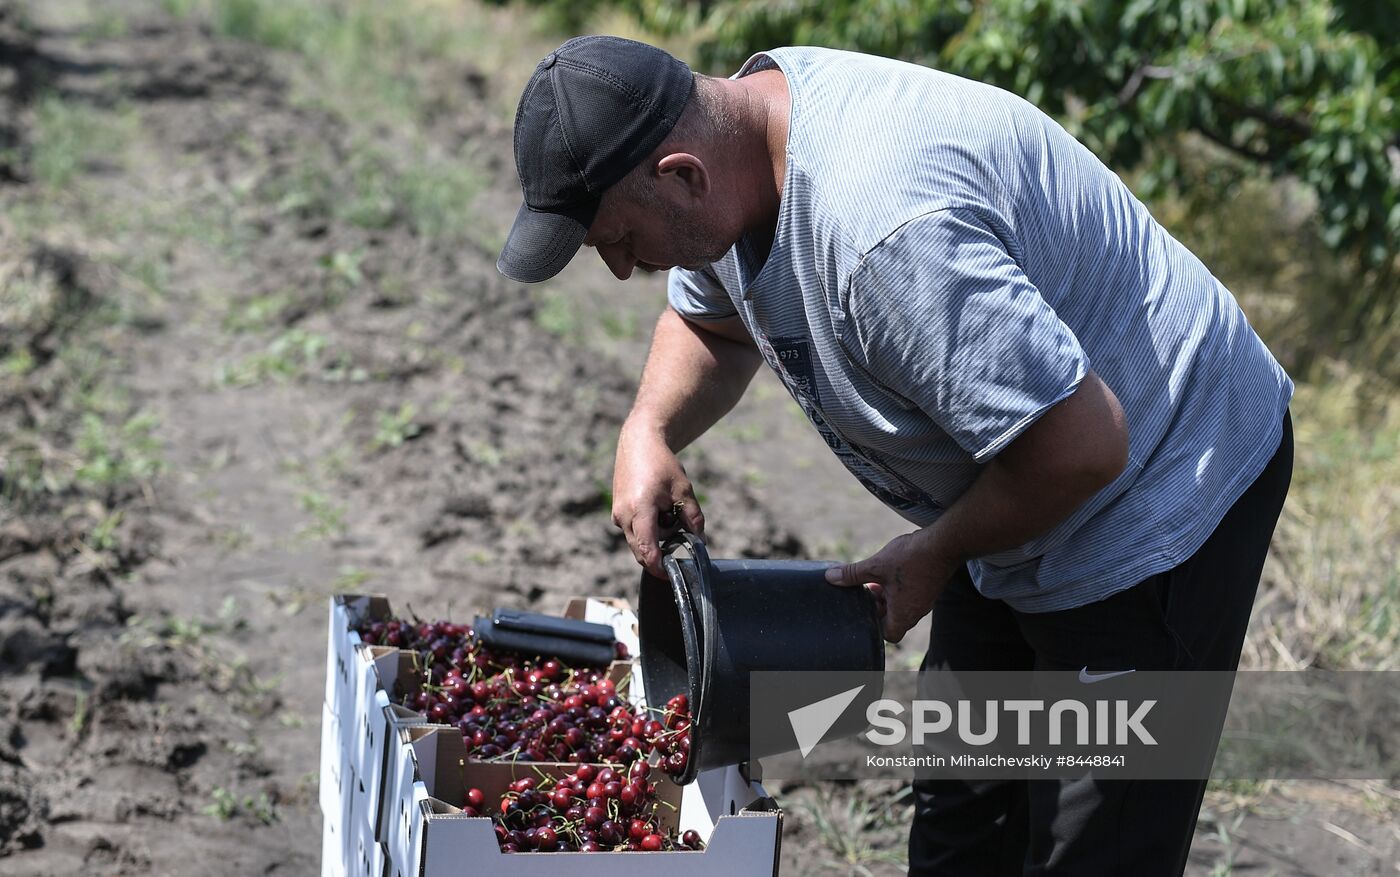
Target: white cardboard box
(377,792)
(346,613)
(743,826)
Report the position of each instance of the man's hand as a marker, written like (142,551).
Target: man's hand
(652,496)
(905,577)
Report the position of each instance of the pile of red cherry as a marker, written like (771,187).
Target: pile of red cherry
(593,809)
(513,707)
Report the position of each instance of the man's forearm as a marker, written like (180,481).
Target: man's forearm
(1072,452)
(1062,459)
(692,378)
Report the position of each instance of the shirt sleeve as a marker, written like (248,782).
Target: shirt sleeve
(943,316)
(698,295)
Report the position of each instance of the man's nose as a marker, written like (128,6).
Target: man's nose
(619,261)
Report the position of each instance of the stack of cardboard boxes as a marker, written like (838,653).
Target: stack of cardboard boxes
(392,784)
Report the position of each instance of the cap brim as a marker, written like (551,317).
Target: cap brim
(542,243)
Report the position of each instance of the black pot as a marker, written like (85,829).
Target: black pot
(710,623)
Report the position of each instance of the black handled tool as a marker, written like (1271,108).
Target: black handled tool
(533,633)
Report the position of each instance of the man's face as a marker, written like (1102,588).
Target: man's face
(653,233)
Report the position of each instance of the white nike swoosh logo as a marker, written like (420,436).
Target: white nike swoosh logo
(1087,678)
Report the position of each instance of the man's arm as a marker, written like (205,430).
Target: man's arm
(1074,449)
(694,375)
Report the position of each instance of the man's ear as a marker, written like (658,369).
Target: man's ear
(683,177)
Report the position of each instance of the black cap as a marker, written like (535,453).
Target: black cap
(593,110)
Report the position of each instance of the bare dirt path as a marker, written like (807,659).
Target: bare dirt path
(335,407)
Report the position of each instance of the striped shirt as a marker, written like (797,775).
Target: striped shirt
(948,263)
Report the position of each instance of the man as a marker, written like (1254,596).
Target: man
(988,330)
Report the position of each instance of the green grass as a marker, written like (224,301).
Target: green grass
(327,518)
(394,427)
(556,314)
(110,455)
(68,137)
(227,805)
(257,313)
(844,818)
(293,354)
(1336,569)
(377,188)
(373,65)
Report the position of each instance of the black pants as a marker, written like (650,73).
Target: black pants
(1191,617)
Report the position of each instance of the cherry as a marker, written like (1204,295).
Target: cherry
(651,843)
(610,832)
(546,839)
(691,838)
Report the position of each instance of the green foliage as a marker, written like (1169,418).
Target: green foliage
(228,805)
(68,136)
(292,354)
(111,456)
(395,427)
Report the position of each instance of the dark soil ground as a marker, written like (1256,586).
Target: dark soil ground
(223,399)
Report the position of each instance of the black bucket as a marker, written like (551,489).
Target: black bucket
(711,623)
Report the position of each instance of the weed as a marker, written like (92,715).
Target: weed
(343,269)
(844,819)
(107,24)
(103,536)
(111,457)
(227,805)
(555,314)
(70,136)
(1225,865)
(228,610)
(288,719)
(231,539)
(350,578)
(290,355)
(258,312)
(1336,558)
(395,427)
(80,716)
(437,196)
(179,8)
(328,519)
(183,631)
(620,326)
(482,452)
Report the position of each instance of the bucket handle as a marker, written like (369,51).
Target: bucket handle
(702,601)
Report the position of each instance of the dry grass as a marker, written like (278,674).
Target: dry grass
(1331,596)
